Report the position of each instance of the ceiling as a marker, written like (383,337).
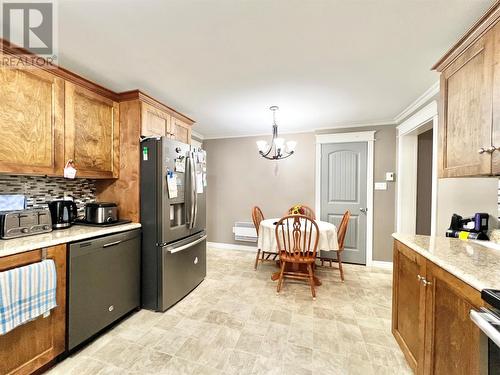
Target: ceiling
(224,62)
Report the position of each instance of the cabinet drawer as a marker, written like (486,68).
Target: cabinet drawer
(182,271)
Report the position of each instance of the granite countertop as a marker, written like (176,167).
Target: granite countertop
(476,265)
(56,237)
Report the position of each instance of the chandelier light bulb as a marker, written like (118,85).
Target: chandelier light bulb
(290,146)
(262,146)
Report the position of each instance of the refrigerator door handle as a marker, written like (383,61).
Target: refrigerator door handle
(187,246)
(193,190)
(195,187)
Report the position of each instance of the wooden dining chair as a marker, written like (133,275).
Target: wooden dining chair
(257,217)
(297,239)
(306,211)
(341,232)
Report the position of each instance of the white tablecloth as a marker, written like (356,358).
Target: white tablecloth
(267,238)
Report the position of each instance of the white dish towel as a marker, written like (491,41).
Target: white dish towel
(26,293)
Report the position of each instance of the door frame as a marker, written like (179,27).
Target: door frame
(352,137)
(408,131)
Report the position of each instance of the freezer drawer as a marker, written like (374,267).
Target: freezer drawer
(184,267)
(104,283)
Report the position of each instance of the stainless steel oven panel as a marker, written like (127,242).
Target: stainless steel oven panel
(489,324)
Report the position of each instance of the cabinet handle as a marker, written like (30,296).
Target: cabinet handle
(491,149)
(481,150)
(420,278)
(426,283)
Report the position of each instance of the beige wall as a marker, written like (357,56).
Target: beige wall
(466,196)
(239,178)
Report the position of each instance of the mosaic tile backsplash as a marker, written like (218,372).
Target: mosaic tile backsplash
(40,190)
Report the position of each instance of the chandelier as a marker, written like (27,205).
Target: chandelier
(276,150)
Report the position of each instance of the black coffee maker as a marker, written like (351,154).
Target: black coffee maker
(63,213)
(469,228)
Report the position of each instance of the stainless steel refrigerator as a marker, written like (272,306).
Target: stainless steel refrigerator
(173,217)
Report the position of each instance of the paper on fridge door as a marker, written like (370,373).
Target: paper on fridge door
(172,185)
(199,182)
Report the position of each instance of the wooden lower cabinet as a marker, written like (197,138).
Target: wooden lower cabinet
(451,338)
(33,345)
(431,316)
(408,298)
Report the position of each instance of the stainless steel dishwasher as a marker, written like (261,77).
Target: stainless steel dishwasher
(104,283)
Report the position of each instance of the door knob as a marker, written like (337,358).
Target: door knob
(364,210)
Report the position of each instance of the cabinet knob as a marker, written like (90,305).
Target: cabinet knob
(420,278)
(481,150)
(426,282)
(491,149)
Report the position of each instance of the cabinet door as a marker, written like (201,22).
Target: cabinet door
(154,121)
(180,131)
(408,302)
(31,121)
(466,112)
(451,339)
(34,344)
(495,161)
(91,132)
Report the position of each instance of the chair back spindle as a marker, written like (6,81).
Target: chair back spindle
(297,237)
(342,230)
(257,217)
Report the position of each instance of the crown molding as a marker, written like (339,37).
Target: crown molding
(420,101)
(336,127)
(201,137)
(476,31)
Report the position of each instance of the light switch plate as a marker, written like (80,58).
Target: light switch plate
(380,185)
(389,176)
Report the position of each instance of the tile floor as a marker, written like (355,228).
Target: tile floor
(235,323)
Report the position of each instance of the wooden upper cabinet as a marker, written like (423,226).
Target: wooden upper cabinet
(180,131)
(31,121)
(466,112)
(452,339)
(154,121)
(91,132)
(495,156)
(408,313)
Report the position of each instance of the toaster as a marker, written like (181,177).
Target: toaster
(101,213)
(24,223)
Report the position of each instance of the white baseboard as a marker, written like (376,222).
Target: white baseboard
(230,246)
(381,264)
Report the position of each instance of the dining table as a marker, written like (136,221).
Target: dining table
(327,241)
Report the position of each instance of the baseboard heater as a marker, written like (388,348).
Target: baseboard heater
(244,231)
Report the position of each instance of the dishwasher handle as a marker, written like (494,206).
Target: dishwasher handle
(174,250)
(112,243)
(486,321)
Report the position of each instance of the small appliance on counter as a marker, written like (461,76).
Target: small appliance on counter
(63,213)
(101,214)
(469,228)
(22,223)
